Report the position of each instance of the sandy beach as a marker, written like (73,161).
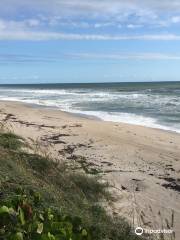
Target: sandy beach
(142,165)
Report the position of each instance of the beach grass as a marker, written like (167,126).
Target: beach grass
(69,192)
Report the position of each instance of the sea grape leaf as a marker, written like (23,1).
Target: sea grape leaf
(40,228)
(18,236)
(21,216)
(4,209)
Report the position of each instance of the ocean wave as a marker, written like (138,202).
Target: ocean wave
(141,108)
(128,118)
(92,96)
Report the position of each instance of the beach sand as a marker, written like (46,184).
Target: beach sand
(142,165)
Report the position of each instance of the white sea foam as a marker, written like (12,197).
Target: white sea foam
(73,100)
(127,118)
(107,116)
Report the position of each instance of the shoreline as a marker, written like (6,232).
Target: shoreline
(89,116)
(141,164)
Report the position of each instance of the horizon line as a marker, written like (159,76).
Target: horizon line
(68,83)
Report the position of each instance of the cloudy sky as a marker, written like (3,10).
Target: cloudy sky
(89,41)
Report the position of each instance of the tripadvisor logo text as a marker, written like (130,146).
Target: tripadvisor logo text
(139,231)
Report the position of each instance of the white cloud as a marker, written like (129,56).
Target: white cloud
(112,6)
(2,25)
(104,24)
(134,26)
(30,29)
(11,25)
(176,19)
(136,56)
(45,36)
(33,22)
(84,14)
(151,12)
(20,59)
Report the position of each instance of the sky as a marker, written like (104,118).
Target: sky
(50,41)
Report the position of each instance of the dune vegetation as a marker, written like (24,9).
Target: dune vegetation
(44,199)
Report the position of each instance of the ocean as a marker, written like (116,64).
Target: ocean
(154,105)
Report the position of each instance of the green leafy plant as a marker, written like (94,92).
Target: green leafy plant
(23,217)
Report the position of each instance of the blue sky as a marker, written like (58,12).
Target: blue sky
(89,41)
